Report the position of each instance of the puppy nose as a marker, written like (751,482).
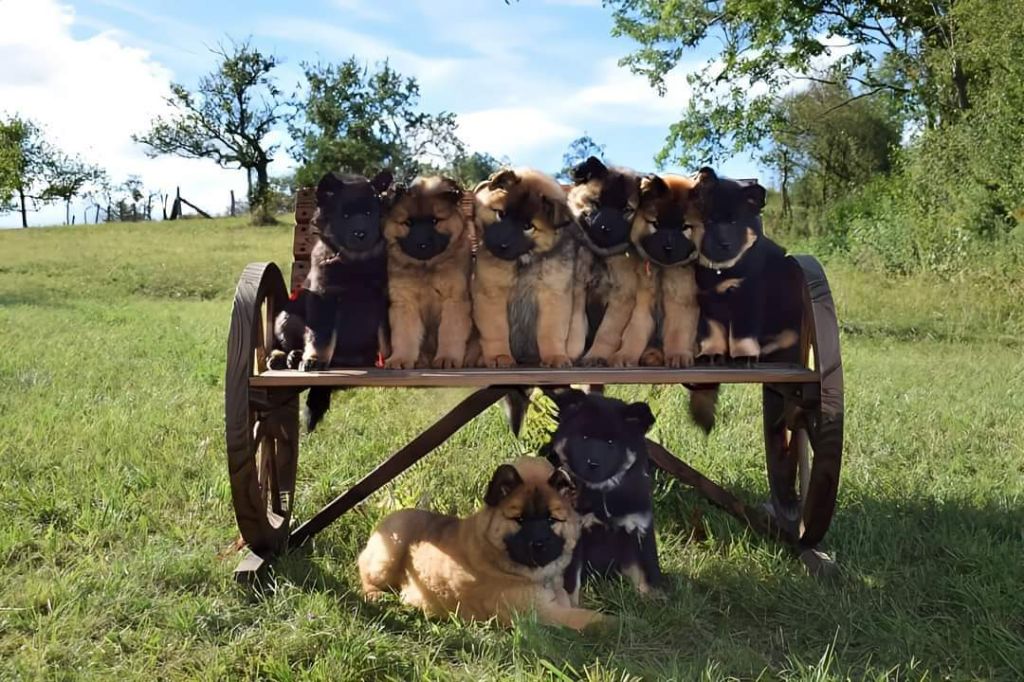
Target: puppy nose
(423,246)
(359,234)
(592,463)
(603,227)
(538,544)
(668,248)
(503,246)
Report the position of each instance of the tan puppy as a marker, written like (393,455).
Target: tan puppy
(603,201)
(528,288)
(506,559)
(663,329)
(429,261)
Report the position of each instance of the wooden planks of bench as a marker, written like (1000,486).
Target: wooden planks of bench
(761,373)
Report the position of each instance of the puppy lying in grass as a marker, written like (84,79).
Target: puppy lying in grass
(506,559)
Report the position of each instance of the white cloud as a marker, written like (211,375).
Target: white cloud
(512,131)
(90,95)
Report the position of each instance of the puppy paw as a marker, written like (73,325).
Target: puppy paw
(277,360)
(623,360)
(713,359)
(442,362)
(654,594)
(294,359)
(311,364)
(679,360)
(594,361)
(744,362)
(556,361)
(373,595)
(499,362)
(652,357)
(396,362)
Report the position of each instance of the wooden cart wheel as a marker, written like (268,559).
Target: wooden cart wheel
(261,427)
(807,419)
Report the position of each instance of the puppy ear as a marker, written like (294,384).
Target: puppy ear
(652,187)
(562,482)
(707,175)
(557,212)
(381,181)
(754,194)
(639,416)
(450,190)
(567,399)
(328,187)
(591,169)
(503,179)
(503,482)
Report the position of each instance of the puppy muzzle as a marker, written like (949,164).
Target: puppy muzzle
(423,241)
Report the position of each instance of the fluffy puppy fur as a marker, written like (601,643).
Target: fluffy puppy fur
(506,559)
(429,261)
(601,442)
(527,286)
(663,328)
(749,292)
(604,201)
(340,313)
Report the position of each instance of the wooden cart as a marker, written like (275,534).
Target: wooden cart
(802,407)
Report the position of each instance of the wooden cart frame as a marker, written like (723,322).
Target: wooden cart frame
(802,415)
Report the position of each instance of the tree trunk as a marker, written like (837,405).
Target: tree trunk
(67,211)
(24,213)
(260,207)
(960,82)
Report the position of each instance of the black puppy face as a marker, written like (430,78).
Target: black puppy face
(662,230)
(530,516)
(598,439)
(731,212)
(348,213)
(604,201)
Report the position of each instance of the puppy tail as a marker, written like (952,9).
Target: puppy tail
(516,402)
(318,401)
(703,400)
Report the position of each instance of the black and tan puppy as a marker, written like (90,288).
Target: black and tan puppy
(663,327)
(341,308)
(429,261)
(601,441)
(750,302)
(504,560)
(604,201)
(527,288)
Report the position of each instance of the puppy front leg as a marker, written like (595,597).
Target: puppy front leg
(617,315)
(572,617)
(406,333)
(647,577)
(681,314)
(637,335)
(453,332)
(320,332)
(578,325)
(490,313)
(554,316)
(746,311)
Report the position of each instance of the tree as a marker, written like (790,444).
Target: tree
(360,121)
(470,169)
(24,159)
(579,150)
(900,47)
(227,119)
(66,178)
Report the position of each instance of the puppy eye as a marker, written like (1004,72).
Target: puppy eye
(586,437)
(366,212)
(519,520)
(654,224)
(610,442)
(433,221)
(345,216)
(530,227)
(500,215)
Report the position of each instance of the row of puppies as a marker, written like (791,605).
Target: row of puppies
(546,527)
(623,270)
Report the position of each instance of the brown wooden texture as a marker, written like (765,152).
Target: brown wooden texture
(428,378)
(389,469)
(303,239)
(261,429)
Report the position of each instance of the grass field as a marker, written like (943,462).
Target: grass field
(115,508)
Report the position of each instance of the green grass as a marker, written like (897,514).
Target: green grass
(115,503)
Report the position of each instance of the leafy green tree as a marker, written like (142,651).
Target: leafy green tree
(761,47)
(579,150)
(67,177)
(25,157)
(470,169)
(228,119)
(352,119)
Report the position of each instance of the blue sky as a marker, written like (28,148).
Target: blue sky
(524,79)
